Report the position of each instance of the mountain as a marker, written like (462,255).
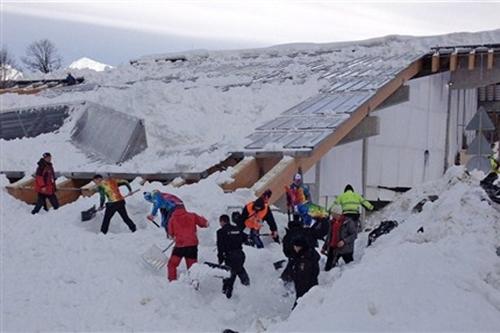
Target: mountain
(87,63)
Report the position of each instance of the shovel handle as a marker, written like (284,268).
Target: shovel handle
(156,224)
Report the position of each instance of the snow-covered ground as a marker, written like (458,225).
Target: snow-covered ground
(199,110)
(60,274)
(87,63)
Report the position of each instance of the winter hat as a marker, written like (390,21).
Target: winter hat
(148,196)
(348,187)
(336,210)
(258,204)
(47,154)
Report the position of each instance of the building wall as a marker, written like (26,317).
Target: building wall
(410,148)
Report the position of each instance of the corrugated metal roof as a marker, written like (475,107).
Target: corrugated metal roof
(351,83)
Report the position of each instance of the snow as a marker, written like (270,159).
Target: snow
(60,274)
(9,73)
(200,110)
(87,63)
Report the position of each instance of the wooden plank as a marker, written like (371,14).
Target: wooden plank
(472,60)
(453,61)
(490,59)
(435,62)
(23,190)
(245,174)
(276,181)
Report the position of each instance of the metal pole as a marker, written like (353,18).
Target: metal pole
(364,171)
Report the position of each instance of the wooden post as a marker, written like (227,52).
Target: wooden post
(472,60)
(435,62)
(453,61)
(490,59)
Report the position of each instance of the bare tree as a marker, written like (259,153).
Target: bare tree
(42,56)
(7,63)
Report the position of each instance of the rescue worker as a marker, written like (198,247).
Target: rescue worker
(45,184)
(294,230)
(339,242)
(350,203)
(490,179)
(298,197)
(230,251)
(108,190)
(182,228)
(163,202)
(252,217)
(305,267)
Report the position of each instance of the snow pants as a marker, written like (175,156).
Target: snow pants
(235,260)
(189,253)
(333,257)
(42,202)
(111,209)
(255,238)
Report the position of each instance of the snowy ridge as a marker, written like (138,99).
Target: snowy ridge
(87,63)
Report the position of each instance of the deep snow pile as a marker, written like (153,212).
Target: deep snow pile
(59,274)
(444,279)
(198,111)
(87,63)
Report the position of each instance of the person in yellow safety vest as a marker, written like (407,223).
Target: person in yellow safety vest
(252,217)
(350,203)
(495,163)
(490,179)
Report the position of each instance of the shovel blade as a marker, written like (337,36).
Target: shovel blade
(154,257)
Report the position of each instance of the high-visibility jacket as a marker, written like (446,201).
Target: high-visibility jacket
(495,166)
(255,219)
(351,201)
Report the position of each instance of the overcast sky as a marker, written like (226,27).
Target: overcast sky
(114,32)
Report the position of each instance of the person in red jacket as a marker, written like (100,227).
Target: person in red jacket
(182,228)
(45,184)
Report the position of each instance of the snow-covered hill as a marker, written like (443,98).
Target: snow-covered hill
(87,63)
(196,111)
(59,274)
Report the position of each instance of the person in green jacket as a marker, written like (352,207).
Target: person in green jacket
(350,202)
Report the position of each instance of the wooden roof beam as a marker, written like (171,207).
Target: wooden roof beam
(245,174)
(453,61)
(472,60)
(489,61)
(435,62)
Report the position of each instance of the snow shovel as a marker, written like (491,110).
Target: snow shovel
(89,214)
(155,257)
(279,264)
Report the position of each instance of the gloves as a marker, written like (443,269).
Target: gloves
(275,236)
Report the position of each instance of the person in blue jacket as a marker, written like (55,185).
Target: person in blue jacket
(163,202)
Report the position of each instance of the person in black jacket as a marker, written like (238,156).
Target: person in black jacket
(294,230)
(230,251)
(305,267)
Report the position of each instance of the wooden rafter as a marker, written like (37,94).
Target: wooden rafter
(490,59)
(453,61)
(472,60)
(435,62)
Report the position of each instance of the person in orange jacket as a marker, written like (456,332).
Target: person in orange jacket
(182,228)
(45,184)
(252,217)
